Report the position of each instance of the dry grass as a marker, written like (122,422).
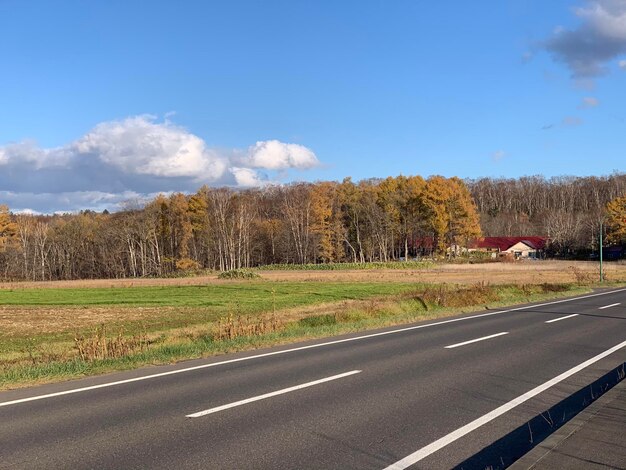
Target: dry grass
(525,272)
(21,321)
(233,326)
(99,346)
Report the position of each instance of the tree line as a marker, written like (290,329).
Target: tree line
(372,220)
(567,209)
(223,229)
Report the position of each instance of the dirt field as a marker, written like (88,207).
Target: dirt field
(527,272)
(15,321)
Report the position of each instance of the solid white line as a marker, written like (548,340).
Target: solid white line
(462,431)
(300,348)
(562,318)
(609,306)
(271,394)
(476,340)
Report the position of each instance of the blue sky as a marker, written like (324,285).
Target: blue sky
(110,100)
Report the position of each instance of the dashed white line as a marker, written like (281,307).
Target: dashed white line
(271,394)
(462,431)
(609,306)
(476,340)
(562,318)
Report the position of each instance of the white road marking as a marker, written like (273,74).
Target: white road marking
(300,348)
(476,340)
(462,431)
(271,394)
(562,318)
(609,306)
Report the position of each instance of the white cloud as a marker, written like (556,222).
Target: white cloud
(123,159)
(27,211)
(248,178)
(589,102)
(275,155)
(142,146)
(622,64)
(62,202)
(600,37)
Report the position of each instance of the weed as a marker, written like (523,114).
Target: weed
(238,274)
(232,327)
(98,346)
(447,296)
(581,277)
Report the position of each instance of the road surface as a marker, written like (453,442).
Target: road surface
(428,395)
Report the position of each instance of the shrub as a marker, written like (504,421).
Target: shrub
(238,274)
(580,276)
(187,264)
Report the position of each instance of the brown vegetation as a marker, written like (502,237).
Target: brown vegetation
(98,346)
(233,326)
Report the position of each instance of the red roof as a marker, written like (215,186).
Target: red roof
(424,242)
(504,243)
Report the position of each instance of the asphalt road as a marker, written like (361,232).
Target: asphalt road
(426,395)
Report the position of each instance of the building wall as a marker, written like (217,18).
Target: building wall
(524,250)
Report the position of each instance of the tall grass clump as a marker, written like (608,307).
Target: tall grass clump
(99,346)
(232,326)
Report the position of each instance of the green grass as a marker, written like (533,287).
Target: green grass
(184,306)
(389,304)
(252,296)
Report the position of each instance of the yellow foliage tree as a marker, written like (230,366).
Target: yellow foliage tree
(453,216)
(616,220)
(8,229)
(322,195)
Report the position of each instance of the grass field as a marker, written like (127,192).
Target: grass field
(250,296)
(55,331)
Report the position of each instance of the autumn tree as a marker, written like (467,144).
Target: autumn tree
(411,209)
(370,220)
(200,229)
(8,238)
(452,212)
(351,202)
(322,202)
(616,220)
(8,229)
(296,205)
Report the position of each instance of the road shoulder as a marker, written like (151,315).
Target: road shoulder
(595,438)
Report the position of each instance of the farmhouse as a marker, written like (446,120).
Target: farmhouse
(519,247)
